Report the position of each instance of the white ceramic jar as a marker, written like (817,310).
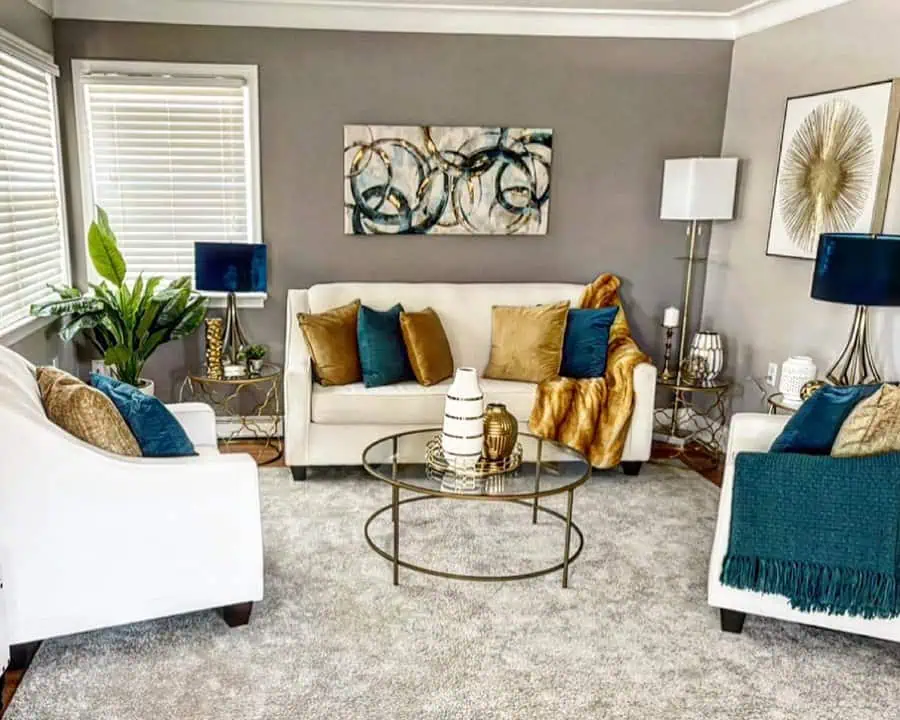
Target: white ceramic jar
(462,436)
(796,371)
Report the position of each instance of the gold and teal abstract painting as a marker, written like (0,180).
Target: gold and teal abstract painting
(437,180)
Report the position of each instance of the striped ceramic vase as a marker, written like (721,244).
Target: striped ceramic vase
(462,435)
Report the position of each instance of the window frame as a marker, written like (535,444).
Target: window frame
(249,74)
(44,62)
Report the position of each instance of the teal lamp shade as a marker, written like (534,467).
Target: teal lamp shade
(857,269)
(230,267)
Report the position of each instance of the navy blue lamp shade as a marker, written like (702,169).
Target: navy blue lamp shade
(857,269)
(230,267)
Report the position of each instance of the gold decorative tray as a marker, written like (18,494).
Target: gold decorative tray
(484,468)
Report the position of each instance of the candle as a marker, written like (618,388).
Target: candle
(671,317)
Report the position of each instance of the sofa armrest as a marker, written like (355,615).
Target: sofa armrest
(639,440)
(298,379)
(198,421)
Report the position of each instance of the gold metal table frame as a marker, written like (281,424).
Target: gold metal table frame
(253,402)
(529,499)
(688,421)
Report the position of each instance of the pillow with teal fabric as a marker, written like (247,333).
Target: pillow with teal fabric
(814,427)
(382,352)
(156,429)
(586,341)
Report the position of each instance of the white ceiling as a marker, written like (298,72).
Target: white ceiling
(710,19)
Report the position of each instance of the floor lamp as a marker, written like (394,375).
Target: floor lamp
(860,270)
(695,190)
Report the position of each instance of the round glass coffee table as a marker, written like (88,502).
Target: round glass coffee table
(548,468)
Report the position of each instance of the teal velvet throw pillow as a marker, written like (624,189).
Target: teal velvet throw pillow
(813,428)
(155,428)
(382,352)
(586,341)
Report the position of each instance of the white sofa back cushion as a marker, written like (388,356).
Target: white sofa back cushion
(464,309)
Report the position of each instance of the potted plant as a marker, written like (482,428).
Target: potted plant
(125,324)
(256,355)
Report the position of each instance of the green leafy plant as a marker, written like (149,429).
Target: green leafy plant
(125,324)
(255,352)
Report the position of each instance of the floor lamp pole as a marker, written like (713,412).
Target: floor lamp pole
(693,232)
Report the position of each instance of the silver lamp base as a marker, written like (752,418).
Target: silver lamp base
(234,339)
(856,364)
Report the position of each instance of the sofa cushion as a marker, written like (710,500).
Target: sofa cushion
(873,428)
(586,343)
(427,346)
(408,403)
(153,425)
(331,338)
(382,354)
(85,412)
(527,341)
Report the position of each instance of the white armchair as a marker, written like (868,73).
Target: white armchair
(90,540)
(755,432)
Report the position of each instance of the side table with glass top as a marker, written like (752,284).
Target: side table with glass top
(696,416)
(251,404)
(776,403)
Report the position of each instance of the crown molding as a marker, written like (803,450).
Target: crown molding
(45,5)
(429,17)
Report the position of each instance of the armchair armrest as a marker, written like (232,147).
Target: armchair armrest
(298,379)
(198,421)
(752,432)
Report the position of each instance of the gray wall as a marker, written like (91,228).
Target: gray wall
(762,303)
(23,19)
(618,109)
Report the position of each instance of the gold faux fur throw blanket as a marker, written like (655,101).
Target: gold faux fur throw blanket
(593,415)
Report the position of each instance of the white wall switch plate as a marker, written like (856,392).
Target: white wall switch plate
(772,374)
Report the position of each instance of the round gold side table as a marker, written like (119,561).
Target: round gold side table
(777,402)
(252,404)
(696,416)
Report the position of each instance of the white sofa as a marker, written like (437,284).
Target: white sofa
(332,425)
(755,432)
(90,540)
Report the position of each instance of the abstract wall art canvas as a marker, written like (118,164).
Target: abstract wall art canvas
(834,166)
(446,180)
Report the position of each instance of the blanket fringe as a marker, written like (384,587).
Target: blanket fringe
(812,587)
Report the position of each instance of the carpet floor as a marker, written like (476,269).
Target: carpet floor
(631,638)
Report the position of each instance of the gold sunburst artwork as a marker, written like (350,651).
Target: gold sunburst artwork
(834,148)
(827,173)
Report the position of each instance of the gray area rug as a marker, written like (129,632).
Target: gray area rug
(631,638)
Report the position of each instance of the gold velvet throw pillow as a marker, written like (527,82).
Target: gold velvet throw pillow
(427,346)
(873,427)
(527,342)
(85,412)
(331,339)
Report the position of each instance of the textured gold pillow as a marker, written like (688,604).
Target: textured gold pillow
(331,339)
(873,427)
(527,342)
(85,412)
(426,346)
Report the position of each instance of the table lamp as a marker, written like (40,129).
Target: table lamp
(230,268)
(861,270)
(694,190)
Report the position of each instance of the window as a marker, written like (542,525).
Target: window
(33,244)
(171,153)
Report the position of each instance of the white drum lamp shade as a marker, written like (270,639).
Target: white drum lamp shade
(699,189)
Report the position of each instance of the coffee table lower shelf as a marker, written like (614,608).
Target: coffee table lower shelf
(568,556)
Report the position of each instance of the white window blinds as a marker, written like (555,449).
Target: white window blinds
(32,232)
(171,161)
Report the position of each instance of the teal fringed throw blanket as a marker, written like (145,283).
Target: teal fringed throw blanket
(821,531)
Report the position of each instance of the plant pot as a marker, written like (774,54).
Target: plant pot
(146,386)
(256,365)
(462,435)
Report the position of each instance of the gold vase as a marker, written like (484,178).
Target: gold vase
(214,332)
(500,432)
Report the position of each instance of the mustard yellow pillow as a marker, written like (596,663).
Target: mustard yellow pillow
(426,346)
(873,427)
(85,412)
(527,342)
(331,339)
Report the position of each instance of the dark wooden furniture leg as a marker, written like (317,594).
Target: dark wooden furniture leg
(732,621)
(20,656)
(237,615)
(299,472)
(631,467)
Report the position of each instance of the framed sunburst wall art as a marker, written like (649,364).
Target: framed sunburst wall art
(437,180)
(834,166)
